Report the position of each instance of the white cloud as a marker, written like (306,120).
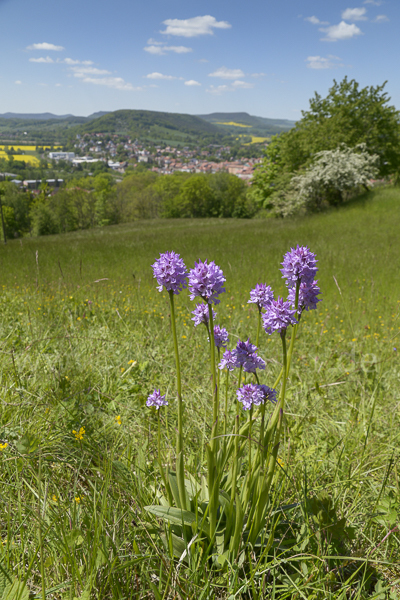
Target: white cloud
(258,75)
(354,14)
(194,27)
(244,85)
(235,85)
(154,50)
(159,76)
(154,42)
(42,60)
(192,82)
(220,89)
(316,21)
(58,84)
(84,71)
(342,31)
(117,83)
(318,62)
(225,73)
(71,61)
(373,2)
(18,82)
(161,50)
(45,46)
(381,19)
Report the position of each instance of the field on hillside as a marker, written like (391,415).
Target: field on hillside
(28,158)
(85,338)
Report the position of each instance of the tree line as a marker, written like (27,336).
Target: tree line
(98,201)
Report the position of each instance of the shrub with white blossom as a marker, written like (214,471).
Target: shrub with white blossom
(333,174)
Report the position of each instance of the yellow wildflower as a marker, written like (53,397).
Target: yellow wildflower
(79,434)
(118,420)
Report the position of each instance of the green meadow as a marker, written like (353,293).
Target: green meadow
(85,338)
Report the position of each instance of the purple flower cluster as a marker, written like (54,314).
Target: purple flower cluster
(262,295)
(308,293)
(245,356)
(299,263)
(221,336)
(269,393)
(278,316)
(201,314)
(250,394)
(156,399)
(228,360)
(206,281)
(170,272)
(254,394)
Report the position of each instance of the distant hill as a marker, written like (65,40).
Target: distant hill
(146,125)
(36,117)
(98,114)
(47,116)
(232,122)
(135,122)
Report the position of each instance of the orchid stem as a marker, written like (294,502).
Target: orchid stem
(180,468)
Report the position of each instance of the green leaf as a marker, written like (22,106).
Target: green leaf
(223,558)
(178,545)
(204,490)
(235,540)
(174,488)
(5,579)
(177,516)
(27,444)
(155,591)
(85,595)
(74,538)
(15,591)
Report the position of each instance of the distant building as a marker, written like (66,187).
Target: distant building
(62,155)
(84,159)
(8,175)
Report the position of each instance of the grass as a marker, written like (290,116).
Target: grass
(85,337)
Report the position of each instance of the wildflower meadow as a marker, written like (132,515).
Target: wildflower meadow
(203,409)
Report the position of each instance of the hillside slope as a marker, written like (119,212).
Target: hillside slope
(232,122)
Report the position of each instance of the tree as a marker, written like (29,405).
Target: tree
(349,115)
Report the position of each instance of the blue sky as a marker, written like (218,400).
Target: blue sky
(264,57)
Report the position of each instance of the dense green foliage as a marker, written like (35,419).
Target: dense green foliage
(97,201)
(349,115)
(85,337)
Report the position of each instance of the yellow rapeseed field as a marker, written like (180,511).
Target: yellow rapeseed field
(27,158)
(27,148)
(254,139)
(234,124)
(18,147)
